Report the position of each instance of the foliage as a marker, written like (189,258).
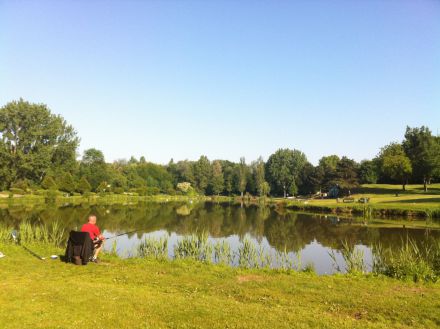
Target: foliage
(48,183)
(410,262)
(83,185)
(202,174)
(395,164)
(153,247)
(283,169)
(67,183)
(217,181)
(368,172)
(93,168)
(424,151)
(33,141)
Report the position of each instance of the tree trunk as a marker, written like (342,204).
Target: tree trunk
(285,194)
(425,187)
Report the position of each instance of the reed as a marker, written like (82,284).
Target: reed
(353,259)
(248,254)
(195,246)
(42,233)
(5,233)
(409,262)
(223,253)
(152,247)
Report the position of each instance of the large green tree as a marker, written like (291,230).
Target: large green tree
(202,173)
(395,164)
(34,142)
(217,183)
(94,168)
(242,175)
(283,169)
(258,171)
(423,149)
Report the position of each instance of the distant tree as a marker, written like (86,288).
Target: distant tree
(398,167)
(258,169)
(228,174)
(242,176)
(67,183)
(395,164)
(83,186)
(34,141)
(133,160)
(264,189)
(184,187)
(423,149)
(309,179)
(185,172)
(327,171)
(94,168)
(202,173)
(346,175)
(103,187)
(368,172)
(217,182)
(48,183)
(283,169)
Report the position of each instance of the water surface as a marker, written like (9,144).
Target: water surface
(305,237)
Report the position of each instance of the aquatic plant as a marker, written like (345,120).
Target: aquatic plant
(247,254)
(353,259)
(153,247)
(409,262)
(54,234)
(223,253)
(195,246)
(5,233)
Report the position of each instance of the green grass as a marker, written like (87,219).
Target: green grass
(142,293)
(413,202)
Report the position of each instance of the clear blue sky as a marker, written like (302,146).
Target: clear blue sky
(177,79)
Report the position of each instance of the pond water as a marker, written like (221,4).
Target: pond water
(305,238)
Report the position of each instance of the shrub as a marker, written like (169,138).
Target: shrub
(83,186)
(48,183)
(18,191)
(118,190)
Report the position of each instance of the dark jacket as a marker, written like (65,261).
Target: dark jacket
(79,245)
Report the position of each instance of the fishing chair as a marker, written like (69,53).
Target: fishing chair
(79,248)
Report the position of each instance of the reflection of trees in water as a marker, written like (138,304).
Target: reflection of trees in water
(282,228)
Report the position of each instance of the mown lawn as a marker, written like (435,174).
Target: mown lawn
(384,199)
(183,294)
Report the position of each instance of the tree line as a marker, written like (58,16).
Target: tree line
(38,150)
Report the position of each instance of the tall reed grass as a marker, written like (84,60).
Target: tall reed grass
(410,262)
(353,257)
(153,247)
(53,234)
(195,246)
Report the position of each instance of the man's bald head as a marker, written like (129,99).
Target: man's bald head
(92,219)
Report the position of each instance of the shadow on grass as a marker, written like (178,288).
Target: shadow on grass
(378,190)
(418,200)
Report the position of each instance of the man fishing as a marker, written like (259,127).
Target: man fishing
(95,235)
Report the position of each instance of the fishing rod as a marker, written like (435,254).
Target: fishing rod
(14,234)
(115,236)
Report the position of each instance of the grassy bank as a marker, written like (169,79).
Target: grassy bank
(96,199)
(139,293)
(384,201)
